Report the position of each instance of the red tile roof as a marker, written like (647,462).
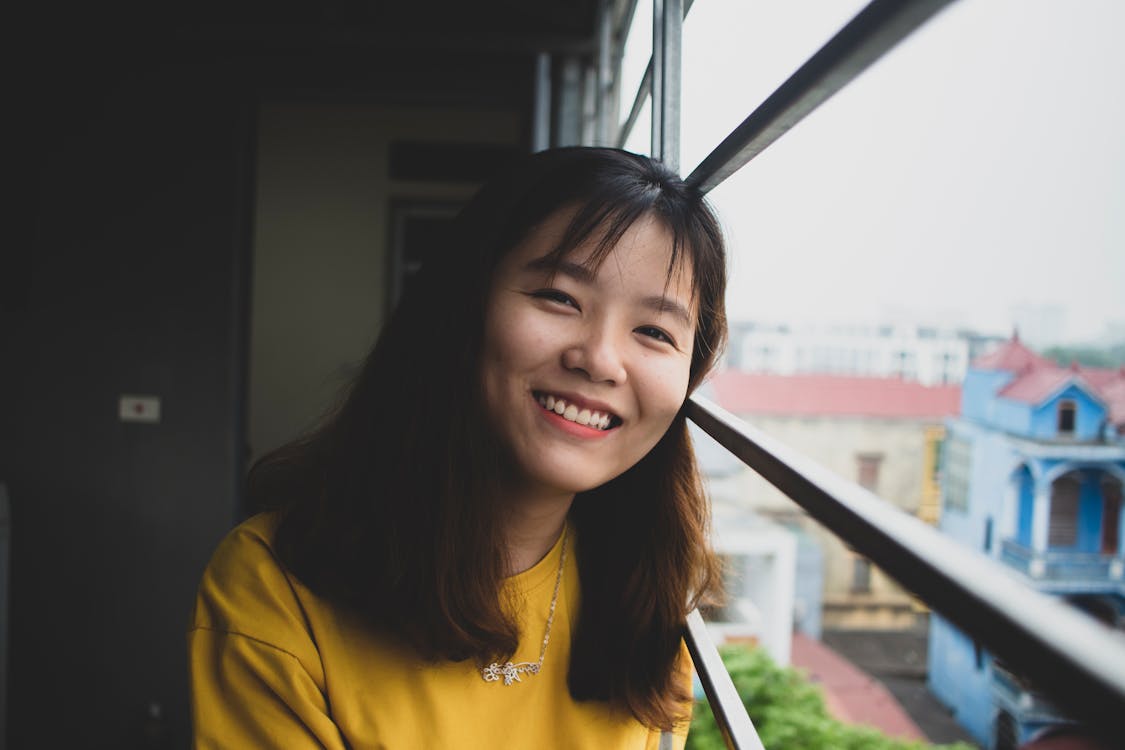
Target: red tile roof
(833,395)
(1037,378)
(1035,385)
(1013,356)
(850,694)
(1114,394)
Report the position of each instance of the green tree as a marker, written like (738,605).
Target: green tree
(1089,356)
(788,711)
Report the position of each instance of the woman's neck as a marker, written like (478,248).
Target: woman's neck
(534,525)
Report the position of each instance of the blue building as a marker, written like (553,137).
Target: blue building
(1032,476)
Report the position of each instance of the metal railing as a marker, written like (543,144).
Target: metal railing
(1082,661)
(876,29)
(1079,661)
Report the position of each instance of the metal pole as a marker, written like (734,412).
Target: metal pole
(568,103)
(541,108)
(589,105)
(602,77)
(726,705)
(656,92)
(667,33)
(874,31)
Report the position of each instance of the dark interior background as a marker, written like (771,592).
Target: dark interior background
(129,272)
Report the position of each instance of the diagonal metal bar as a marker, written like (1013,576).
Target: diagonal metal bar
(643,92)
(876,29)
(1075,660)
(726,705)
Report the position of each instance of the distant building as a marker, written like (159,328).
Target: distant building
(1033,475)
(765,598)
(884,433)
(920,353)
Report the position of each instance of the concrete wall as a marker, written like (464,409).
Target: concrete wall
(321,229)
(959,681)
(835,443)
(978,391)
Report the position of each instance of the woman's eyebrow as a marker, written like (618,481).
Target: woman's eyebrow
(670,306)
(569,268)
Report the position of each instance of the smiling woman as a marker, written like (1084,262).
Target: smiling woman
(495,540)
(593,343)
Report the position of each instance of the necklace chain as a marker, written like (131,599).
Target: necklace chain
(509,671)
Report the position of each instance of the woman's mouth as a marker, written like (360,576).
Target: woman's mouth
(598,420)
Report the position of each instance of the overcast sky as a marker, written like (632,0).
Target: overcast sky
(977,167)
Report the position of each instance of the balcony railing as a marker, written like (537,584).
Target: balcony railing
(1080,569)
(1081,661)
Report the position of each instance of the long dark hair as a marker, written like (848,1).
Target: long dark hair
(394,497)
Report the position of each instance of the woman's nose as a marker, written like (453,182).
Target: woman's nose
(597,355)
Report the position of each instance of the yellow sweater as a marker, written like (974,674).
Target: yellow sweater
(275,666)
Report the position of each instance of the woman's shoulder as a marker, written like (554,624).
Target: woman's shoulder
(247,590)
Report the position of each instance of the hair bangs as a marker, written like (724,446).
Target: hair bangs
(601,225)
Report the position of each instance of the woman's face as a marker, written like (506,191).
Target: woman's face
(583,373)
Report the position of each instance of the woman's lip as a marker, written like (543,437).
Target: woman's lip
(579,401)
(573,428)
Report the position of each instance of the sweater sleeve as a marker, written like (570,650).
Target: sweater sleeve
(256,676)
(246,693)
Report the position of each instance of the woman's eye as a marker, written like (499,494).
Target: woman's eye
(655,333)
(554,295)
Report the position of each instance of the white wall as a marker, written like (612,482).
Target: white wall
(320,244)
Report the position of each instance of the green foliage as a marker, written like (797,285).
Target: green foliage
(788,711)
(1089,356)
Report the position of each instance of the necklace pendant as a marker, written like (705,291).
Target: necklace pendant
(508,671)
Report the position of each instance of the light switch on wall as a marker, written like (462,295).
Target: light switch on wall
(139,409)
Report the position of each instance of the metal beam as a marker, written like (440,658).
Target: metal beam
(1075,660)
(541,107)
(644,91)
(604,75)
(667,43)
(867,37)
(568,102)
(726,705)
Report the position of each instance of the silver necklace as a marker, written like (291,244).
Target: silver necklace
(510,672)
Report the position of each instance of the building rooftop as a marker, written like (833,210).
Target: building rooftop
(1013,356)
(1037,378)
(897,659)
(1037,384)
(833,395)
(850,694)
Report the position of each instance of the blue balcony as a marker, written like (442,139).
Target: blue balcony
(1061,570)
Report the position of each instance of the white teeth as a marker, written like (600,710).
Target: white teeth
(588,417)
